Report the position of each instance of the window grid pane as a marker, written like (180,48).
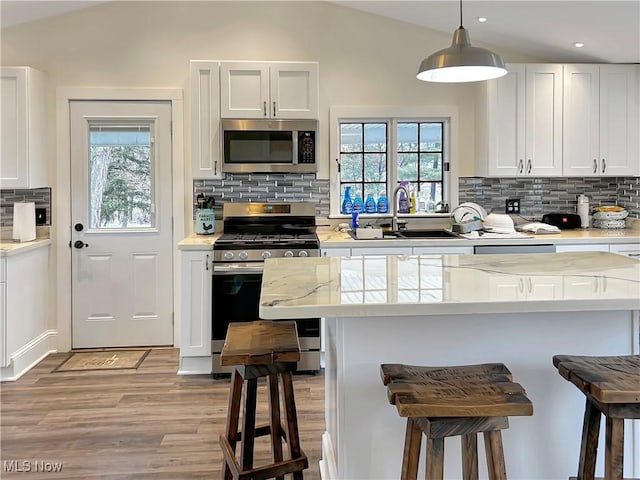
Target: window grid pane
(420,160)
(363,160)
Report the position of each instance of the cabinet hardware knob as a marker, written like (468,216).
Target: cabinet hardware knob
(604,165)
(595,166)
(264,107)
(274,109)
(528,166)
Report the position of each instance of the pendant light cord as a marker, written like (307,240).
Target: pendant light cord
(461,14)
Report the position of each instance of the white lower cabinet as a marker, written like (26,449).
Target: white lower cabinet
(591,247)
(195,312)
(443,250)
(381,251)
(626,249)
(4,360)
(24,312)
(336,252)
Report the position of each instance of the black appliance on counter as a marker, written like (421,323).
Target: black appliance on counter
(254,232)
(563,221)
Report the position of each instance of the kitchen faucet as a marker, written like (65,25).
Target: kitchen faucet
(394,199)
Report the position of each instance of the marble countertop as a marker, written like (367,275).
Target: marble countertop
(448,284)
(198,242)
(9,248)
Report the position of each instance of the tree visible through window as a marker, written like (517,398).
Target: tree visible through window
(120,175)
(368,166)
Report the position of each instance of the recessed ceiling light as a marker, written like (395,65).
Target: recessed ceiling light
(578,44)
(482,19)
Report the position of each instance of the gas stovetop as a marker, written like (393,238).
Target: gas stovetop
(257,231)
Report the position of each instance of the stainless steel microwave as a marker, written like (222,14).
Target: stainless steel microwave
(284,146)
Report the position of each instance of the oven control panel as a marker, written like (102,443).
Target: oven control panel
(261,255)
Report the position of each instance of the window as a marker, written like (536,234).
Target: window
(375,154)
(120,176)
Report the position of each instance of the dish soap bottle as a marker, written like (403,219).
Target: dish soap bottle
(383,204)
(370,205)
(347,203)
(358,204)
(403,203)
(412,202)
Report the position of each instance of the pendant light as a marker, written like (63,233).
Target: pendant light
(461,62)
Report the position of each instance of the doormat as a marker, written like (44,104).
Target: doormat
(103,360)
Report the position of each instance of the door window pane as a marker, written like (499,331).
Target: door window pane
(120,175)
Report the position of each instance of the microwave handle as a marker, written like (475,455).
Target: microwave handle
(295,147)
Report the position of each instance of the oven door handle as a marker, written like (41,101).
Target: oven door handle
(237,269)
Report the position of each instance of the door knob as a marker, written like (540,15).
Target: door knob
(80,244)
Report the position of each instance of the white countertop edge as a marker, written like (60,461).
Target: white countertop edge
(282,312)
(9,249)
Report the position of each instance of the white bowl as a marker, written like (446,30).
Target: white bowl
(498,223)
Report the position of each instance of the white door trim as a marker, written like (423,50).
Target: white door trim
(61,224)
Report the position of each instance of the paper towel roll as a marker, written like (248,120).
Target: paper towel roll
(24,221)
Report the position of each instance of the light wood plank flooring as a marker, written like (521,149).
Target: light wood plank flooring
(134,424)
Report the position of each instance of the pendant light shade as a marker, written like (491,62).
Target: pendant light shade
(461,62)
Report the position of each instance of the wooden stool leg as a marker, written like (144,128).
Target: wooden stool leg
(249,424)
(411,456)
(469,443)
(274,414)
(435,458)
(233,416)
(589,443)
(293,438)
(495,455)
(614,449)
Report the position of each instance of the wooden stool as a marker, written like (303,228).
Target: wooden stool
(450,401)
(612,388)
(261,349)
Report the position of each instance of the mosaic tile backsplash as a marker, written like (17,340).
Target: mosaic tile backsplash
(262,187)
(556,194)
(41,197)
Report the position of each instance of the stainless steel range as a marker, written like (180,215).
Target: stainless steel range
(254,232)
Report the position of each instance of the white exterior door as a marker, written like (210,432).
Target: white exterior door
(121,218)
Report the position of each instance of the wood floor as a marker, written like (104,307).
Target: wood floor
(121,424)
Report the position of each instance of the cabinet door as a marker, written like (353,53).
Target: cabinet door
(195,310)
(619,110)
(506,106)
(543,287)
(543,122)
(443,251)
(294,90)
(336,252)
(381,251)
(627,249)
(22,128)
(205,119)
(581,101)
(4,360)
(244,90)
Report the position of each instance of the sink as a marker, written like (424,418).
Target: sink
(431,233)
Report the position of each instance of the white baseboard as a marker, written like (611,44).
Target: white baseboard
(195,366)
(26,357)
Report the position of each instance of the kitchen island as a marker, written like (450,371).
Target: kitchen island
(454,310)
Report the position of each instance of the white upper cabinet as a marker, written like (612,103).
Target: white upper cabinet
(204,83)
(23,128)
(601,120)
(269,90)
(522,115)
